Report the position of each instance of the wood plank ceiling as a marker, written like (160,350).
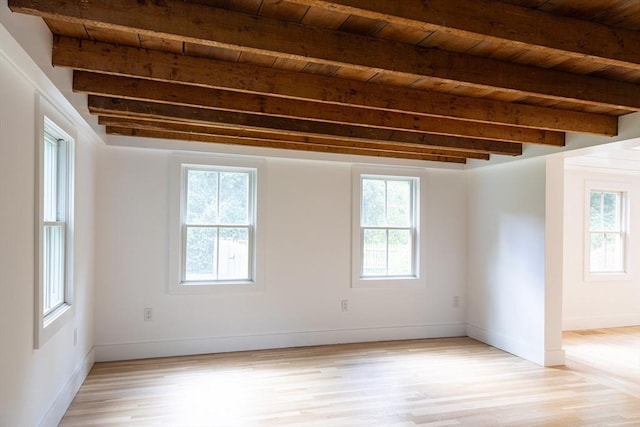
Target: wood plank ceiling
(439,80)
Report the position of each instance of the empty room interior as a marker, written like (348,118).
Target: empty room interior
(319,213)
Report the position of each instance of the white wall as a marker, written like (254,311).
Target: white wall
(589,304)
(307,261)
(506,252)
(37,385)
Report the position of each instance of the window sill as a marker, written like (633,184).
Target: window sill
(388,282)
(55,315)
(52,324)
(200,288)
(608,277)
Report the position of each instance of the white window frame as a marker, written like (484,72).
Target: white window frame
(179,164)
(416,279)
(48,324)
(624,189)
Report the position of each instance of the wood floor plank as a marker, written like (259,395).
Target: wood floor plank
(432,383)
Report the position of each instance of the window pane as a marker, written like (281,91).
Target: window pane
(595,210)
(53,267)
(373,203)
(400,250)
(597,252)
(50,181)
(613,252)
(399,203)
(374,256)
(233,258)
(200,263)
(202,197)
(611,211)
(234,198)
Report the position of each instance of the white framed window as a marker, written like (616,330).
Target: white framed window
(386,241)
(606,231)
(54,226)
(215,243)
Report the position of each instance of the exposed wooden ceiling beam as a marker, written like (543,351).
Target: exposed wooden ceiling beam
(180,21)
(143,133)
(337,143)
(146,90)
(502,22)
(283,128)
(134,62)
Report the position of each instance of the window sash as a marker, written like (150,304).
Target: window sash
(618,224)
(385,270)
(220,272)
(385,211)
(611,261)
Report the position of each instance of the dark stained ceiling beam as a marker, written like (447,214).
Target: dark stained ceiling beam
(146,90)
(502,22)
(148,124)
(166,67)
(194,23)
(290,128)
(285,145)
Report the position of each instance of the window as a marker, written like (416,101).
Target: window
(54,222)
(606,232)
(218,224)
(215,230)
(386,244)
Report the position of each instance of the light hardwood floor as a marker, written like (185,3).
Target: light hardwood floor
(440,382)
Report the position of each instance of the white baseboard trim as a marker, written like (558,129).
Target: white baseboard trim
(554,358)
(599,322)
(61,404)
(509,344)
(183,347)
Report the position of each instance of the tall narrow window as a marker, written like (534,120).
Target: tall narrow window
(53,287)
(388,226)
(55,215)
(606,232)
(218,217)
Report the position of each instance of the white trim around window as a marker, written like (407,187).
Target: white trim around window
(410,271)
(54,208)
(622,191)
(196,264)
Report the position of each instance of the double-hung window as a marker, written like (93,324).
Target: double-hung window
(218,224)
(54,234)
(387,243)
(54,250)
(607,234)
(216,233)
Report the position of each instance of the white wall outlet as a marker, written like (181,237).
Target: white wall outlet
(344,305)
(148,314)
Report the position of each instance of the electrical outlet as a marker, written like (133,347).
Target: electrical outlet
(456,301)
(344,305)
(148,314)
